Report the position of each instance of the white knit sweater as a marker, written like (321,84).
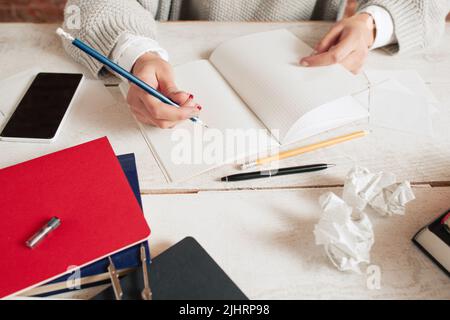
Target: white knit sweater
(418,23)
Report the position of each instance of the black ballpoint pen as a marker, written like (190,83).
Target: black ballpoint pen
(277,172)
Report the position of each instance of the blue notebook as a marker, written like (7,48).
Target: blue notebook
(129,258)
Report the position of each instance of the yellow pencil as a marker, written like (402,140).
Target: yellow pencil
(305,149)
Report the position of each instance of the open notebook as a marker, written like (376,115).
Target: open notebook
(255,82)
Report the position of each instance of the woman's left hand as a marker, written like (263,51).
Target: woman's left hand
(347,43)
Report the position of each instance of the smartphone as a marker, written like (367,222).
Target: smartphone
(42,110)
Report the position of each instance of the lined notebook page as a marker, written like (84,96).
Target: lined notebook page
(222,110)
(264,70)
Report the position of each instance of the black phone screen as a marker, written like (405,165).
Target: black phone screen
(43,106)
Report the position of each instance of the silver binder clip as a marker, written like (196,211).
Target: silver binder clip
(115,280)
(146,293)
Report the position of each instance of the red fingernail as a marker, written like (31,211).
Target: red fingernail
(199,107)
(191,96)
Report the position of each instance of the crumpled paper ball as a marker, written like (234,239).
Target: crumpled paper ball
(347,241)
(378,190)
(344,228)
(393,199)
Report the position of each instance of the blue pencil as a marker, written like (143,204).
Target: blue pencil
(121,71)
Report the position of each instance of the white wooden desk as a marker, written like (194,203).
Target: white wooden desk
(264,240)
(23,46)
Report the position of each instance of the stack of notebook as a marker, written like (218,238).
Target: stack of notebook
(86,188)
(97,273)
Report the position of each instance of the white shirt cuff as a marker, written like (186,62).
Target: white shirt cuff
(385,34)
(130,47)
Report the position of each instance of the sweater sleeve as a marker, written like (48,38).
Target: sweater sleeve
(418,24)
(102,23)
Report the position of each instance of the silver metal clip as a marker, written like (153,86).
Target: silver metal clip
(146,293)
(115,280)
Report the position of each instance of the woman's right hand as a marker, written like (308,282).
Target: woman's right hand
(159,74)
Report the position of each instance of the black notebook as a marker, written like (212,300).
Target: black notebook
(434,241)
(182,272)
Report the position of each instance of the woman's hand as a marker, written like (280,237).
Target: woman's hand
(347,43)
(159,74)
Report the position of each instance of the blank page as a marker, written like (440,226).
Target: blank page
(223,111)
(327,117)
(264,70)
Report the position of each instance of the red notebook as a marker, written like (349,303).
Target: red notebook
(86,188)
